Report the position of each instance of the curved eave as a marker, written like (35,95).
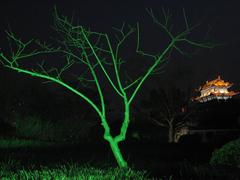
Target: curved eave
(214,85)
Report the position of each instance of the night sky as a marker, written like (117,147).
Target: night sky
(32,19)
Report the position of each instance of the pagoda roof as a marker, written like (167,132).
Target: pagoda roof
(216,82)
(229,94)
(215,94)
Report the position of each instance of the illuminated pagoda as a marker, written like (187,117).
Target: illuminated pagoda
(215,89)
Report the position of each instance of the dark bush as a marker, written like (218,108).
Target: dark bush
(228,155)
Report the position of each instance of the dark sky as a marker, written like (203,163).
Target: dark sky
(32,19)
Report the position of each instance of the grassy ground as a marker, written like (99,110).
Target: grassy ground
(31,159)
(14,167)
(9,170)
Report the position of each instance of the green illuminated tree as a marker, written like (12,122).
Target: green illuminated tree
(98,57)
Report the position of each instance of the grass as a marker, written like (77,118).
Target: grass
(13,165)
(13,170)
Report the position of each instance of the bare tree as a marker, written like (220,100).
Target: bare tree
(98,56)
(168,109)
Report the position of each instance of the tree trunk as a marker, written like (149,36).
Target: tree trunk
(170,133)
(114,141)
(117,154)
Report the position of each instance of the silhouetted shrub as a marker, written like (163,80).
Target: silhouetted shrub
(34,127)
(70,129)
(228,155)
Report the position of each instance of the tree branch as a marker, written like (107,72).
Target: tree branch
(60,82)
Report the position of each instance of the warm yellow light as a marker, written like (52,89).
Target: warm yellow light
(216,88)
